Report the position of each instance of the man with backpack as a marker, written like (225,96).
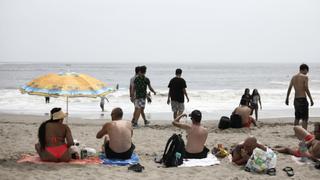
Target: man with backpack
(196,136)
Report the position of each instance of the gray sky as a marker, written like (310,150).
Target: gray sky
(159,31)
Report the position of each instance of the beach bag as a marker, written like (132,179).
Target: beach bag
(224,122)
(261,161)
(235,121)
(174,151)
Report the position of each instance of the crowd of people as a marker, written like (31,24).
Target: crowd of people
(55,137)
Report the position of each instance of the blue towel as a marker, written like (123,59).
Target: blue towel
(119,162)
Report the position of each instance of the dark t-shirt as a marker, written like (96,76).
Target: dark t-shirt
(141,83)
(176,86)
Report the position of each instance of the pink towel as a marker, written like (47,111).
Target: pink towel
(36,159)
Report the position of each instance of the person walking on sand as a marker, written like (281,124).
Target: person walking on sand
(118,136)
(246,96)
(196,135)
(177,90)
(141,83)
(133,93)
(255,99)
(301,87)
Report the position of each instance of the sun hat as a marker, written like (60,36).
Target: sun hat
(58,115)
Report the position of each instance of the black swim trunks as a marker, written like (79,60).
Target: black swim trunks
(113,155)
(301,107)
(199,155)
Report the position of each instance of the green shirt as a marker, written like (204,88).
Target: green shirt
(141,83)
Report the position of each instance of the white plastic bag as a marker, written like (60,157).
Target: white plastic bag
(260,161)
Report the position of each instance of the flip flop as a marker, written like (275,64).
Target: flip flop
(271,171)
(317,166)
(136,167)
(289,171)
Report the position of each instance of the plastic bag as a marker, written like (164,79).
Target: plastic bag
(260,160)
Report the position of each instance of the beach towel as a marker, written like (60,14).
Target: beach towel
(27,158)
(210,160)
(119,162)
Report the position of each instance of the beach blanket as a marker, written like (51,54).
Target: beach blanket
(119,162)
(210,160)
(36,160)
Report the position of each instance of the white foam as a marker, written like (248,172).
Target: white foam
(217,102)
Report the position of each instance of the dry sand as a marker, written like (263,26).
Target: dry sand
(18,134)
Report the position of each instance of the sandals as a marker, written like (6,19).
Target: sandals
(317,166)
(272,171)
(289,171)
(136,167)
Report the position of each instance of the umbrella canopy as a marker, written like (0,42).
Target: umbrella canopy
(68,84)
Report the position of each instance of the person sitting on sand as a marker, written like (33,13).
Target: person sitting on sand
(242,152)
(196,136)
(312,144)
(55,138)
(244,112)
(118,136)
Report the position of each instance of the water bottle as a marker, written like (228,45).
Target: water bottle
(303,149)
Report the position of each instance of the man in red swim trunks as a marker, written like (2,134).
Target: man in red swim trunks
(55,138)
(312,144)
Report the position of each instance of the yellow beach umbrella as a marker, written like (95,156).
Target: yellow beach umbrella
(67,85)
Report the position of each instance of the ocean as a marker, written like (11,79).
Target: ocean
(214,89)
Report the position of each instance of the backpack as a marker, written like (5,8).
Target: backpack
(174,152)
(224,122)
(235,121)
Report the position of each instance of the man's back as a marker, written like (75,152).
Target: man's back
(299,83)
(120,133)
(244,112)
(196,138)
(141,82)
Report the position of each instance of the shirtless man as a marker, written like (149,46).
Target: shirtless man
(118,134)
(312,144)
(300,84)
(196,136)
(244,112)
(242,152)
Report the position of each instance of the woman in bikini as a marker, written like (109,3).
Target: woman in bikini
(55,138)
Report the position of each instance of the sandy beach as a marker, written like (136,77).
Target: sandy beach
(18,134)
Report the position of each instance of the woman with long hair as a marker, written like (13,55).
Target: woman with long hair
(55,138)
(255,99)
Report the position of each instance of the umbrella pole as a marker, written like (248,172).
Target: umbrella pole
(67,108)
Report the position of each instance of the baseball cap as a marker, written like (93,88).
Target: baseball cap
(195,114)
